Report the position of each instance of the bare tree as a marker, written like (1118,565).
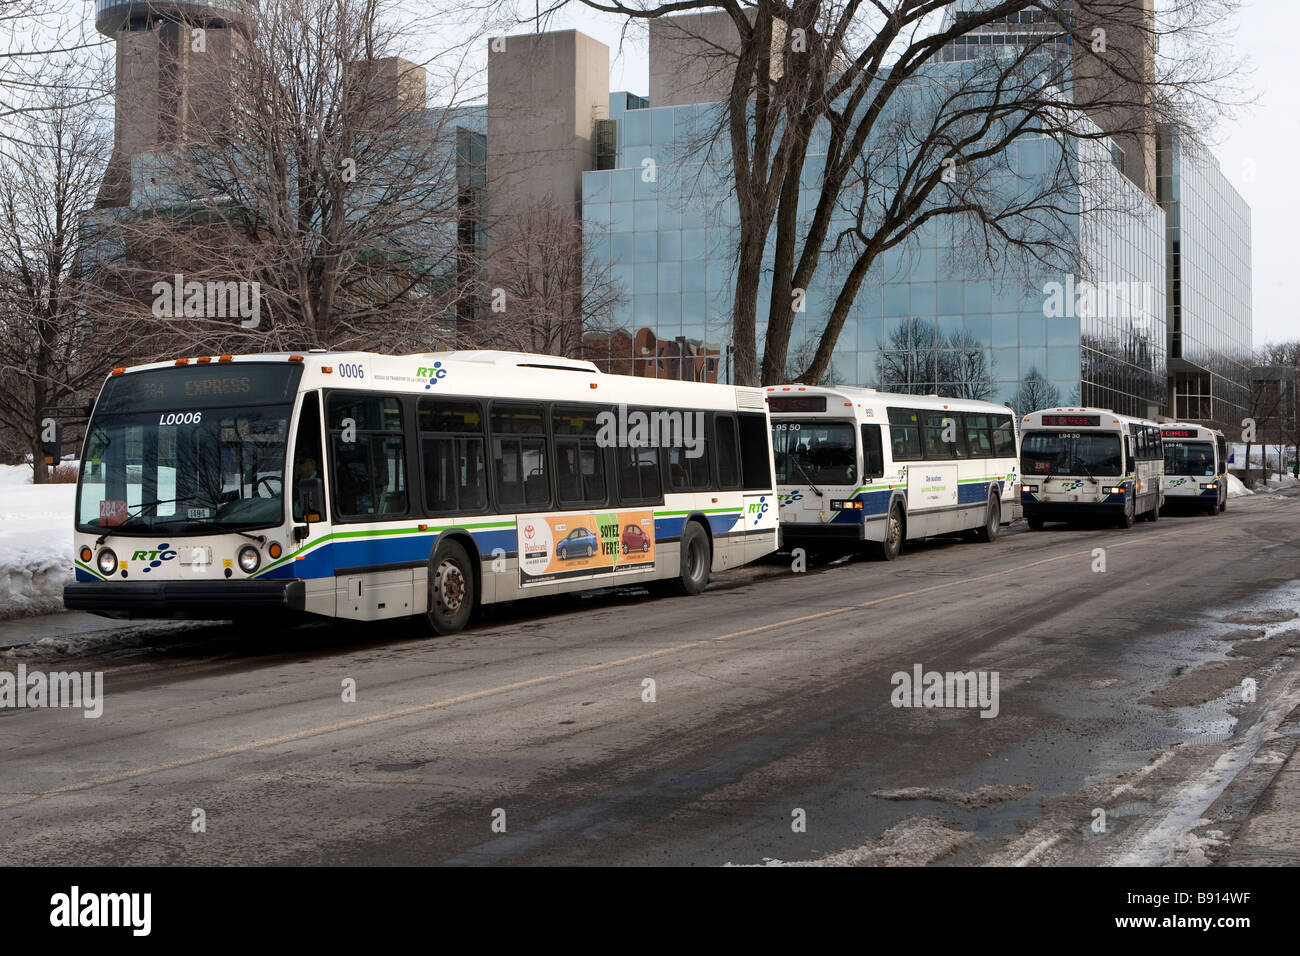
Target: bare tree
(39,39)
(50,351)
(1035,393)
(551,292)
(328,185)
(864,81)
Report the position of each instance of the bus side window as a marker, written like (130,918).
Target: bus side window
(1128,455)
(977,435)
(367,455)
(522,462)
(905,434)
(728,452)
(1004,437)
(579,458)
(873,461)
(755,451)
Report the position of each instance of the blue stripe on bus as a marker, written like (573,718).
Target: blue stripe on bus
(322,562)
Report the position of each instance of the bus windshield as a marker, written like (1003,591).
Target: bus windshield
(1089,454)
(1189,458)
(814,452)
(167,451)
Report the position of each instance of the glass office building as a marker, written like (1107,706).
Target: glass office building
(1207,246)
(929,317)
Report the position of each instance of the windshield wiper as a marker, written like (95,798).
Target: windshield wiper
(811,483)
(1084,465)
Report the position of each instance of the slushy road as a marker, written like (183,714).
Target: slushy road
(752,723)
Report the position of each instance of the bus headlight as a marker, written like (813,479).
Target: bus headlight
(249,559)
(1029,488)
(1210,485)
(1117,490)
(106,562)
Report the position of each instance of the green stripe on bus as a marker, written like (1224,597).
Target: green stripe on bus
(379,533)
(86,567)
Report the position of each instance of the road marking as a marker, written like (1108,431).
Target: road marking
(1139,774)
(1156,840)
(545,679)
(1042,847)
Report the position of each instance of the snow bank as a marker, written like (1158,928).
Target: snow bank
(35,543)
(1236,489)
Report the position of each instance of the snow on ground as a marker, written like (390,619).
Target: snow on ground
(1236,489)
(35,543)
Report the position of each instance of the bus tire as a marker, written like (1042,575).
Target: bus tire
(1127,517)
(1223,505)
(1154,513)
(695,560)
(992,521)
(451,588)
(1213,510)
(892,545)
(1035,522)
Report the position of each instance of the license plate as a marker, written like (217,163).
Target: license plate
(197,555)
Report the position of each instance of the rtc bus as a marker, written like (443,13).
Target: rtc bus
(1196,468)
(364,486)
(1090,462)
(860,465)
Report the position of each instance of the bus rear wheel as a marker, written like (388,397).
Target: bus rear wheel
(892,545)
(696,558)
(992,521)
(451,589)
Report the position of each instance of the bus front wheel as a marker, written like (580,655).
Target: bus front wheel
(695,560)
(451,589)
(1126,519)
(1035,522)
(889,548)
(992,521)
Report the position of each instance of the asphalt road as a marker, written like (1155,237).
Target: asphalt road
(770,737)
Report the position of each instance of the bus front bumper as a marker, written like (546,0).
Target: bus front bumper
(185,600)
(1065,510)
(799,532)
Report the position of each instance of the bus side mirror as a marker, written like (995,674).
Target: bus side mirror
(311,499)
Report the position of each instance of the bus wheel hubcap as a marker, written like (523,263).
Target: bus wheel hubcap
(451,586)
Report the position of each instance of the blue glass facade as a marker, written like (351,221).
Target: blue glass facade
(929,317)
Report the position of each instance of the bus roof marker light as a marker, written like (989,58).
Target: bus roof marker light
(182,361)
(203,360)
(118,371)
(295,358)
(226,358)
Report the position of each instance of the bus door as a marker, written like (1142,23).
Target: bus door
(310,508)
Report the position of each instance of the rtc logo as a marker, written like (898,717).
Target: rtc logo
(155,557)
(432,374)
(759,508)
(790,498)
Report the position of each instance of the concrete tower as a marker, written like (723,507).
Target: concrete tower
(174,76)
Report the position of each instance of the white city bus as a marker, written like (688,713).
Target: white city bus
(364,486)
(1196,468)
(1088,463)
(859,465)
